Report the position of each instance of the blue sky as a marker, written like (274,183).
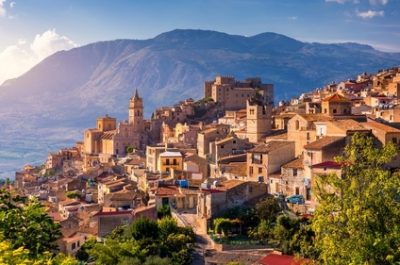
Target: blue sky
(38,28)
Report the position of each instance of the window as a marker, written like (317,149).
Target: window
(167,162)
(234,141)
(259,170)
(308,136)
(297,124)
(251,171)
(394,140)
(252,112)
(294,172)
(175,162)
(325,111)
(73,246)
(334,111)
(297,190)
(79,243)
(222,146)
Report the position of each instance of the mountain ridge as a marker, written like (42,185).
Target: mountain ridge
(69,89)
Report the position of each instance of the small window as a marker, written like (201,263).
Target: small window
(394,140)
(297,124)
(73,246)
(334,111)
(259,170)
(252,112)
(234,141)
(308,136)
(294,172)
(175,162)
(297,190)
(251,170)
(222,146)
(325,111)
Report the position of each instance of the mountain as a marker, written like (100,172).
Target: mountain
(66,91)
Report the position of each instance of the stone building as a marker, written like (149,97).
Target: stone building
(266,159)
(209,135)
(336,104)
(259,120)
(108,140)
(232,94)
(301,129)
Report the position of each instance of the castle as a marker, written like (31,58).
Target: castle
(108,140)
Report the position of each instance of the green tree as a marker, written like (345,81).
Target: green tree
(358,217)
(73,194)
(268,209)
(22,256)
(143,228)
(295,236)
(27,224)
(163,211)
(261,232)
(167,226)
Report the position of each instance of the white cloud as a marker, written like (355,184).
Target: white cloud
(50,42)
(378,2)
(370,14)
(292,18)
(2,8)
(12,4)
(18,58)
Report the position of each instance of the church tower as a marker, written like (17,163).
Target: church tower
(136,112)
(258,119)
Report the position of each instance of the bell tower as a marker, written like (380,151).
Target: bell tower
(258,119)
(136,112)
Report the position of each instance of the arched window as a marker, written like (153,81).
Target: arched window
(297,125)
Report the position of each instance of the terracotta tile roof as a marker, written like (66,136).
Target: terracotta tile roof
(227,139)
(297,163)
(122,196)
(276,259)
(315,117)
(283,115)
(324,142)
(167,191)
(229,184)
(349,125)
(269,146)
(108,135)
(113,213)
(328,164)
(69,202)
(237,168)
(171,154)
(336,98)
(374,125)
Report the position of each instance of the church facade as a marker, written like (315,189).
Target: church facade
(109,140)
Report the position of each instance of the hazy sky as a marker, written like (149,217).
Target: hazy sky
(32,30)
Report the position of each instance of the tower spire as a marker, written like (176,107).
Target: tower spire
(136,94)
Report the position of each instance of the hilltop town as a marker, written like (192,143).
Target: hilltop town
(233,148)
